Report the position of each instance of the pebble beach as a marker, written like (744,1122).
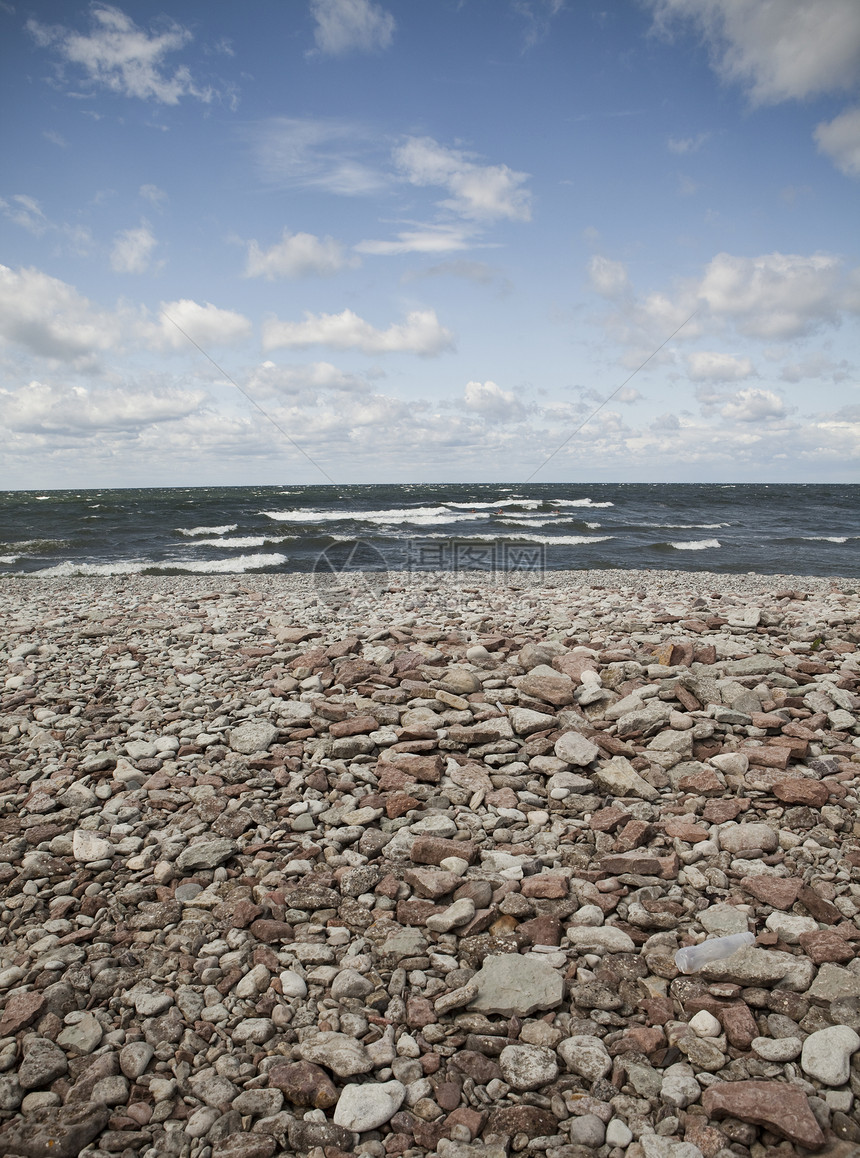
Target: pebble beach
(398,864)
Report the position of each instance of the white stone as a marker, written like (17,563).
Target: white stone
(510,984)
(528,1067)
(336,1051)
(704,1024)
(789,926)
(292,985)
(777,1049)
(618,1133)
(606,939)
(576,749)
(88,846)
(458,913)
(827,1054)
(680,1088)
(585,1055)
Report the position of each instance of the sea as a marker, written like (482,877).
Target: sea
(811,529)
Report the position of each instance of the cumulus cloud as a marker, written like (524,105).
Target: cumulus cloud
(41,408)
(306,381)
(775,295)
(492,402)
(776,49)
(49,318)
(478,192)
(753,406)
(296,255)
(839,139)
(205,324)
(609,278)
(121,57)
(344,26)
(421,333)
(712,366)
(132,249)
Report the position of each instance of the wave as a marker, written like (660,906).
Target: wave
(829,538)
(189,531)
(137,567)
(685,526)
(246,541)
(419,516)
(567,540)
(695,545)
(528,504)
(9,558)
(579,503)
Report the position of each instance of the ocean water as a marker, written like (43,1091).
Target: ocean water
(809,529)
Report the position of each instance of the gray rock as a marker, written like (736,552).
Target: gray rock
(528,1067)
(83,1037)
(254,736)
(148,999)
(509,984)
(206,854)
(218,1092)
(259,1103)
(834,983)
(88,846)
(339,1053)
(738,837)
(588,1130)
(777,1049)
(350,983)
(135,1057)
(576,749)
(618,777)
(61,1131)
(723,920)
(827,1054)
(256,1030)
(680,1088)
(43,1063)
(113,1090)
(524,721)
(763,967)
(585,1055)
(367,1107)
(605,938)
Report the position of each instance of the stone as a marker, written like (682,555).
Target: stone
(588,1130)
(832,983)
(135,1057)
(42,1063)
(304,1084)
(21,1010)
(586,1056)
(780,1049)
(59,1131)
(256,736)
(822,945)
(292,984)
(366,1107)
(811,793)
(737,838)
(528,1067)
(779,892)
(619,778)
(88,846)
(336,1051)
(512,985)
(206,854)
(789,927)
(605,939)
(679,1087)
(753,966)
(83,1037)
(350,983)
(705,1024)
(779,1107)
(576,749)
(826,1055)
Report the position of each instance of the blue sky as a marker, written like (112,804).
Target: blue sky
(429,240)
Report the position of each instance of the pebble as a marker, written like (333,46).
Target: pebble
(301,870)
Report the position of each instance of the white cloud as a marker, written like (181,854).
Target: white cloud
(308,153)
(429,239)
(296,255)
(609,278)
(55,138)
(711,366)
(479,192)
(839,139)
(817,365)
(205,324)
(51,319)
(492,402)
(307,381)
(538,15)
(123,58)
(753,406)
(26,212)
(421,333)
(40,408)
(155,196)
(775,295)
(351,26)
(687,144)
(132,249)
(777,49)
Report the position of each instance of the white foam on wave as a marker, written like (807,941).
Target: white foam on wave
(418,516)
(189,531)
(567,540)
(579,503)
(696,545)
(528,504)
(829,538)
(135,566)
(244,541)
(9,558)
(686,526)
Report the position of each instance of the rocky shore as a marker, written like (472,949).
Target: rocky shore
(400,867)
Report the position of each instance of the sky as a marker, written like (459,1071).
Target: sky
(291,241)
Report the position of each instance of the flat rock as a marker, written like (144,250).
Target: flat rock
(255,736)
(528,1067)
(826,1055)
(512,985)
(341,1054)
(206,854)
(779,1107)
(59,1131)
(43,1062)
(618,777)
(366,1107)
(576,749)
